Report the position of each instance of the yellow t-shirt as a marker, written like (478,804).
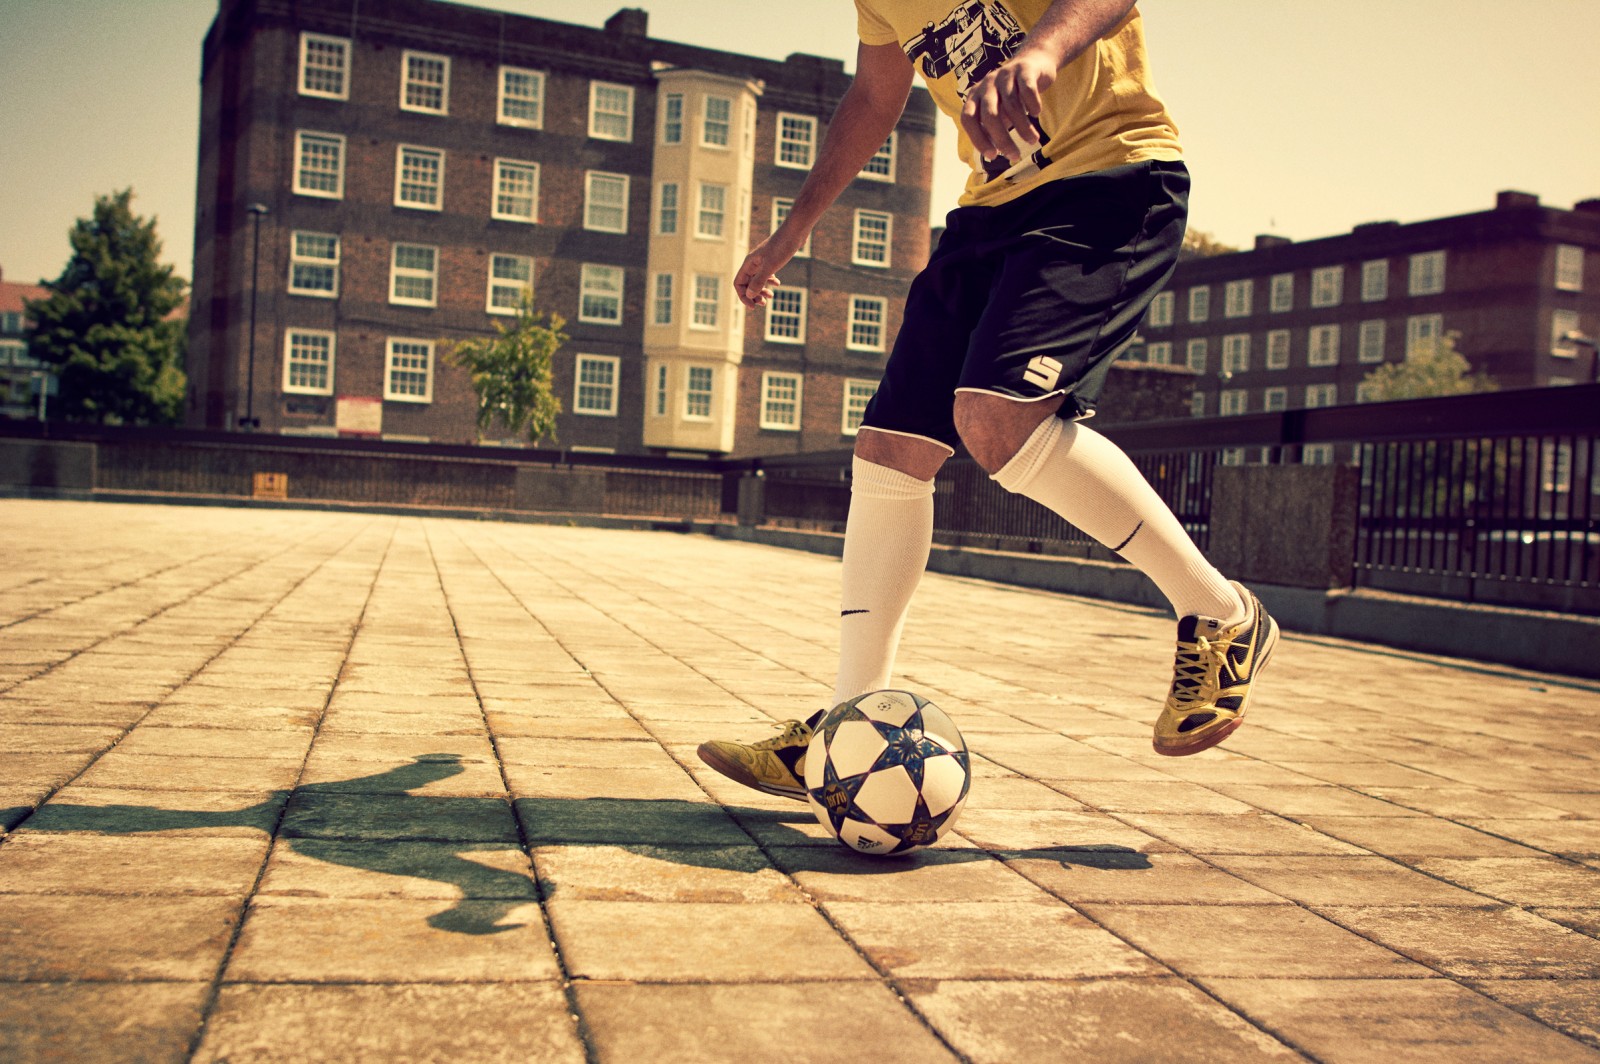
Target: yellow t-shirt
(1101,111)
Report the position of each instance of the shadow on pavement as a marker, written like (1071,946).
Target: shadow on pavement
(375,824)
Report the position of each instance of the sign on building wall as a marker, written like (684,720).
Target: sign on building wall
(359,415)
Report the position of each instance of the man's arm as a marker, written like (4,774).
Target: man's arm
(1011,94)
(860,125)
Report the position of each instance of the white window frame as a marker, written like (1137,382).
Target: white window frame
(861,248)
(298,258)
(623,116)
(397,272)
(1197,404)
(723,125)
(661,298)
(290,338)
(1280,347)
(522,288)
(408,78)
(1275,399)
(533,100)
(390,369)
(323,42)
(1425,275)
(584,363)
(775,400)
(672,124)
(303,139)
(706,214)
(1200,303)
(1371,339)
(704,283)
(693,396)
(407,152)
(1374,280)
(881,166)
(1233,401)
(795,141)
(667,213)
(1320,395)
(861,319)
(1322,345)
(1420,327)
(1237,297)
(787,325)
(1327,286)
(658,404)
(1160,316)
(594,279)
(1562,322)
(1236,353)
(781,207)
(1569,267)
(1158,353)
(600,179)
(1196,353)
(858,393)
(1280,299)
(506,171)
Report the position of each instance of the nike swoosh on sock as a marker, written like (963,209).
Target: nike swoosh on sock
(847,613)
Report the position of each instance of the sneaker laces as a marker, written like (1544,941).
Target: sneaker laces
(1192,669)
(794,732)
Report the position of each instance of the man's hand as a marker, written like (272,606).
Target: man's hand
(1007,99)
(754,282)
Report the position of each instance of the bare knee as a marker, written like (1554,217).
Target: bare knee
(994,427)
(911,455)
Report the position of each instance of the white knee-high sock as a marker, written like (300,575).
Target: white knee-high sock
(886,543)
(1088,480)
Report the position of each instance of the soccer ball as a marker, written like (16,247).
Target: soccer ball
(887,772)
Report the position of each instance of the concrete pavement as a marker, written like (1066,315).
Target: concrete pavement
(298,786)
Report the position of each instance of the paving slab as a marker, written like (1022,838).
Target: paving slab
(99,1023)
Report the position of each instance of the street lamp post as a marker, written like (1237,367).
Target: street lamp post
(249,421)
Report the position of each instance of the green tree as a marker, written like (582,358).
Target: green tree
(107,326)
(1202,245)
(1433,367)
(512,373)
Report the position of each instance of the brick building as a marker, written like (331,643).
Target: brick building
(411,169)
(1290,325)
(21,375)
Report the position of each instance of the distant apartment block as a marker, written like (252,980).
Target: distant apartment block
(21,376)
(425,166)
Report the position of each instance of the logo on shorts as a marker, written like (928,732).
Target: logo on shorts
(1043,371)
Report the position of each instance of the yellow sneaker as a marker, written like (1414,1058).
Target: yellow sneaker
(776,765)
(1212,678)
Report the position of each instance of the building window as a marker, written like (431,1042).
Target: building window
(419,178)
(1158,354)
(11,322)
(510,283)
(881,166)
(780,401)
(425,85)
(1322,395)
(857,394)
(308,362)
(871,244)
(1197,404)
(707,301)
(314,264)
(1282,295)
(1375,281)
(713,211)
(1562,324)
(1427,274)
(408,376)
(413,275)
(780,214)
(1275,399)
(697,394)
(1236,353)
(672,118)
(595,392)
(1370,341)
(1237,297)
(716,120)
(1323,346)
(786,316)
(1233,401)
(521,98)
(868,315)
(605,202)
(1327,286)
(659,407)
(1200,303)
(516,190)
(1194,355)
(319,164)
(797,140)
(1160,316)
(600,294)
(610,111)
(1422,330)
(667,208)
(324,66)
(1278,349)
(14,353)
(1569,267)
(661,302)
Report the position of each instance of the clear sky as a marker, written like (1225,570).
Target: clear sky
(1299,117)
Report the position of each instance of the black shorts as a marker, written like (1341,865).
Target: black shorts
(1033,298)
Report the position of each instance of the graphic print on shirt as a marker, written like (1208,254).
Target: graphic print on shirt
(973,40)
